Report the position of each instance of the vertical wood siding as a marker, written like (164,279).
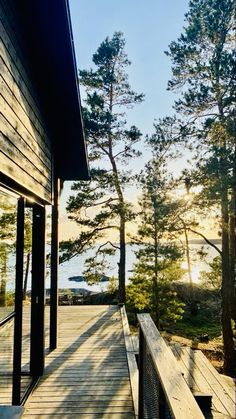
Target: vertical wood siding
(25,154)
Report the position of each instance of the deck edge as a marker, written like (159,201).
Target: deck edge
(132,364)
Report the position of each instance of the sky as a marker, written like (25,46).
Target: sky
(148,27)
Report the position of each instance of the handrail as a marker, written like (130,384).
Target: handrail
(7,318)
(162,388)
(132,364)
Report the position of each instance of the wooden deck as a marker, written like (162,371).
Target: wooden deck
(6,357)
(202,378)
(87,375)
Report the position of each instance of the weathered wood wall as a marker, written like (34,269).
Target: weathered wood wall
(25,154)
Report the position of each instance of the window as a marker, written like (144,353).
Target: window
(8,218)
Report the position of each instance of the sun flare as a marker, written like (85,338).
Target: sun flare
(195,272)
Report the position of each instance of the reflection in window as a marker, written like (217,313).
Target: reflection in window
(8,215)
(27,255)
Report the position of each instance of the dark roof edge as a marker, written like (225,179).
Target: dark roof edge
(49,49)
(67,6)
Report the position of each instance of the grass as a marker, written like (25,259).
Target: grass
(195,327)
(206,321)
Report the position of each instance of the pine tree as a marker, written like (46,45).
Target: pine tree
(100,205)
(212,278)
(158,258)
(204,70)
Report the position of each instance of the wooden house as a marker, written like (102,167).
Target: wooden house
(93,372)
(41,145)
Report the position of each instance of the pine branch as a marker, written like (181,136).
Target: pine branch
(206,240)
(108,242)
(98,144)
(126,149)
(107,201)
(83,243)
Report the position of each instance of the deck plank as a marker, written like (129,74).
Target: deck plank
(87,375)
(202,377)
(6,357)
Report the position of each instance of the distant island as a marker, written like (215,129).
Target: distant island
(80,278)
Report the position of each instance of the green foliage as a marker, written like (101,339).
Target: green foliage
(95,269)
(203,71)
(10,299)
(159,257)
(192,327)
(112,286)
(207,318)
(7,220)
(213,277)
(157,297)
(203,57)
(7,241)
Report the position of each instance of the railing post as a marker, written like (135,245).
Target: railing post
(141,384)
(163,392)
(37,293)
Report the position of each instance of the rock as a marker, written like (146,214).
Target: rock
(204,338)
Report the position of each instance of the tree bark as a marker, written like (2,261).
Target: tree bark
(228,342)
(188,258)
(122,262)
(26,276)
(155,281)
(232,227)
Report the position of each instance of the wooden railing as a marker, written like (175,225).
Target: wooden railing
(6,319)
(132,364)
(163,392)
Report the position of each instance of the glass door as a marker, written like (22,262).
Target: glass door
(8,217)
(28,360)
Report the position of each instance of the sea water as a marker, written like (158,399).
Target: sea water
(75,267)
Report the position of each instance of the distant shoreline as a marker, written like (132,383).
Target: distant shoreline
(196,241)
(201,241)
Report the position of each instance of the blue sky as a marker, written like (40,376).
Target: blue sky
(148,26)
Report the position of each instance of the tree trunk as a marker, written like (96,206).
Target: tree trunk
(122,261)
(156,302)
(26,276)
(155,282)
(232,226)
(229,355)
(121,271)
(188,259)
(3,283)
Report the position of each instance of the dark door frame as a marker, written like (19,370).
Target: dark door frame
(37,341)
(54,266)
(37,344)
(17,348)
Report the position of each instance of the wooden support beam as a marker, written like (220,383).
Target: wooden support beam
(54,267)
(37,293)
